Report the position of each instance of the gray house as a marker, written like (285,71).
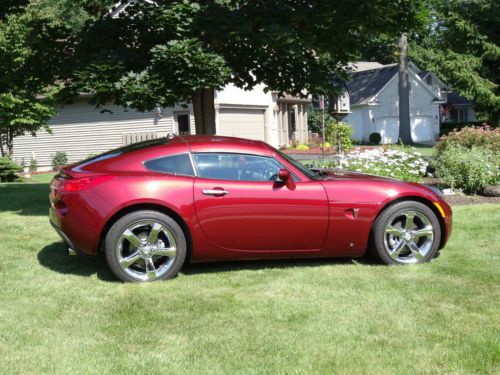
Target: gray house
(374,103)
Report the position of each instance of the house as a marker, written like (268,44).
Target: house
(81,130)
(457,108)
(373,96)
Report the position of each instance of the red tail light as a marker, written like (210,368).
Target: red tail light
(79,184)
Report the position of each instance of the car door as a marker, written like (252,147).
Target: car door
(240,207)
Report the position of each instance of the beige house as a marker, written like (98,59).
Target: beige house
(81,130)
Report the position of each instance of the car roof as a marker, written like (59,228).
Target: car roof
(217,143)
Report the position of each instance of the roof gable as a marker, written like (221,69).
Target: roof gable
(367,84)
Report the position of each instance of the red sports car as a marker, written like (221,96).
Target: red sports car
(153,205)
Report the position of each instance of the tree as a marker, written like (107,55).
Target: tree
(462,46)
(178,51)
(35,45)
(404,91)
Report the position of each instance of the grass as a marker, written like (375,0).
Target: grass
(425,150)
(63,314)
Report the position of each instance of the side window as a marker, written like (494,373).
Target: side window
(238,167)
(175,164)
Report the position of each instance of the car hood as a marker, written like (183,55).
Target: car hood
(336,175)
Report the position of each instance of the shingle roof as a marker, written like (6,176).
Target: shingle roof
(366,84)
(457,99)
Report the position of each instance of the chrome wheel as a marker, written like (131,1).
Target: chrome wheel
(409,236)
(146,250)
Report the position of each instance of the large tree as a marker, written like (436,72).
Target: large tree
(462,46)
(35,48)
(157,55)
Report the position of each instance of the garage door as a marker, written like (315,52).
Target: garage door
(388,129)
(243,123)
(422,128)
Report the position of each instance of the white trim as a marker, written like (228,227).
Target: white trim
(243,106)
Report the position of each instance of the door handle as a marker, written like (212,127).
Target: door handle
(215,192)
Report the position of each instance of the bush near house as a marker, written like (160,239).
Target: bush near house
(468,169)
(339,135)
(375,138)
(9,170)
(59,159)
(469,137)
(469,159)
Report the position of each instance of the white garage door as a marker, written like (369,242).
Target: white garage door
(243,123)
(388,129)
(422,128)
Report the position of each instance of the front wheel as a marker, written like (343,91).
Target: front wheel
(145,246)
(406,233)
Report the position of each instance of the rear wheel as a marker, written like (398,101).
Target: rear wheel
(145,246)
(406,233)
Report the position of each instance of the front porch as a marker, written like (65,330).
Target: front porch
(292,120)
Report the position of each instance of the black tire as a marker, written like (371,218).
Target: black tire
(117,243)
(384,242)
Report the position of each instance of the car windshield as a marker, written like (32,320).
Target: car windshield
(310,174)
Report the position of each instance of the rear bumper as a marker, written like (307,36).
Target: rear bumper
(72,250)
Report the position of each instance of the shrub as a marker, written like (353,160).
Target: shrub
(447,127)
(339,133)
(468,169)
(314,119)
(60,158)
(33,165)
(384,162)
(9,170)
(302,147)
(469,137)
(375,138)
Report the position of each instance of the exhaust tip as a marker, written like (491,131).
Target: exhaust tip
(71,251)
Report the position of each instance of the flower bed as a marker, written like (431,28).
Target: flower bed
(384,162)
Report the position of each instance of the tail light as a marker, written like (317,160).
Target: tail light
(63,185)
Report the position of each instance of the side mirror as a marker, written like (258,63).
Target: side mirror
(285,178)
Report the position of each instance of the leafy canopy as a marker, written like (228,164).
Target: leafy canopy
(35,48)
(159,55)
(462,46)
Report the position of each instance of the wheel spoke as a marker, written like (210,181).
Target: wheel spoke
(427,231)
(415,250)
(132,238)
(153,234)
(397,250)
(131,259)
(167,252)
(150,269)
(393,230)
(410,215)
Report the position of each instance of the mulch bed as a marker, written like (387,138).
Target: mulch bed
(460,200)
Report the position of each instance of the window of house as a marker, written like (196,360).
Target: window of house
(183,125)
(174,164)
(237,167)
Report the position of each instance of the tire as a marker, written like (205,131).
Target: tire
(145,246)
(406,233)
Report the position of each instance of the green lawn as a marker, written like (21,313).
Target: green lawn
(67,315)
(425,150)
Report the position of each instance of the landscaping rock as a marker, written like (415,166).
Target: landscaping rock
(492,191)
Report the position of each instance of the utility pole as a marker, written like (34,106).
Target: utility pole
(404,91)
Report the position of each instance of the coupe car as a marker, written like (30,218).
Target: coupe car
(153,205)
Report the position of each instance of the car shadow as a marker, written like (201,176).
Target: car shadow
(55,258)
(234,266)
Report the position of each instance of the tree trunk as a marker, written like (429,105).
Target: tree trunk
(2,152)
(404,91)
(204,111)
